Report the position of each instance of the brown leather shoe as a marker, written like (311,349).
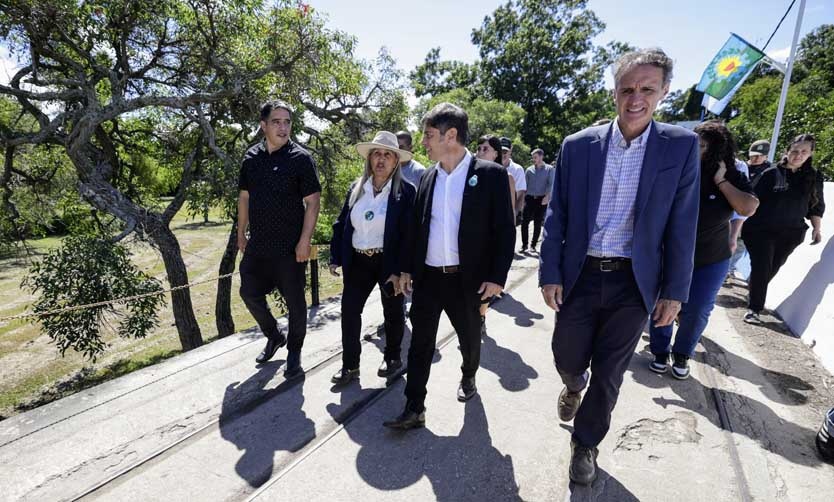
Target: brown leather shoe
(569,404)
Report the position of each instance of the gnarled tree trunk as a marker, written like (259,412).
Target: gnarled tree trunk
(223,304)
(169,247)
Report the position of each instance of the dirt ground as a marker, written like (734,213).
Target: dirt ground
(789,365)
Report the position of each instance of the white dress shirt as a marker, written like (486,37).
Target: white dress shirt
(445,215)
(368,217)
(517,172)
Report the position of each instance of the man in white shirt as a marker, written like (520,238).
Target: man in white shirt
(462,239)
(517,172)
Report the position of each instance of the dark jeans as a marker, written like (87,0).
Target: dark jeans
(437,293)
(258,277)
(599,324)
(533,211)
(768,252)
(361,278)
(694,316)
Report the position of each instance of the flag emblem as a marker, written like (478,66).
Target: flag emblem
(729,67)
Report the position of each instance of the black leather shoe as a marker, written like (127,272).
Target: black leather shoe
(344,376)
(272,345)
(583,464)
(389,367)
(569,404)
(408,419)
(293,368)
(467,389)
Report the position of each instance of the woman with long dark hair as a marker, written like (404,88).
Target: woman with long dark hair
(370,243)
(790,192)
(724,189)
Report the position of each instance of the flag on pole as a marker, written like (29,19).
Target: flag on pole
(729,67)
(717,106)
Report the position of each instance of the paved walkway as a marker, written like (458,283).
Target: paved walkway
(211,425)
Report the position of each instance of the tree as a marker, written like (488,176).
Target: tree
(540,55)
(436,77)
(175,71)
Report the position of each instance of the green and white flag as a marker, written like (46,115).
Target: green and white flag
(729,67)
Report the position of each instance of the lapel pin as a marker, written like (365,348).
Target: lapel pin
(369,215)
(473,180)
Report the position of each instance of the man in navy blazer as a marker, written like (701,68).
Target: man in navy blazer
(619,242)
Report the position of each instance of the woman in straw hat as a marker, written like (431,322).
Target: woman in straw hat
(369,243)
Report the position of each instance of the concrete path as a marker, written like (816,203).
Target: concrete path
(212,425)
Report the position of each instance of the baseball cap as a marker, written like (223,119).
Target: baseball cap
(506,144)
(760,147)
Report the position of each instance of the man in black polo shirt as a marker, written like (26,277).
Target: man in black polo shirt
(279,203)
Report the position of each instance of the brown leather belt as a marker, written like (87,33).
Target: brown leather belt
(608,264)
(449,269)
(368,252)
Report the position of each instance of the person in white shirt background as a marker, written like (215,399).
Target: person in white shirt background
(517,173)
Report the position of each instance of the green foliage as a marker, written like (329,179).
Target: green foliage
(87,270)
(486,116)
(809,106)
(436,77)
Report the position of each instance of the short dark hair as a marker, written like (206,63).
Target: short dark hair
(275,104)
(538,151)
(653,56)
(406,136)
(445,116)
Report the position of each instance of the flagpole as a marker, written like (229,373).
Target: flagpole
(786,82)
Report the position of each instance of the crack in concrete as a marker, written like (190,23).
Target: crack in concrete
(682,428)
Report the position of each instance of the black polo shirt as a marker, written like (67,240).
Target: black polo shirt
(277,183)
(713,241)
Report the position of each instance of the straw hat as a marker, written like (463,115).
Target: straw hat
(384,140)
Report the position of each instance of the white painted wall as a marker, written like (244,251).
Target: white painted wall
(803,290)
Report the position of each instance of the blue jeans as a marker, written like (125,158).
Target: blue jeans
(694,316)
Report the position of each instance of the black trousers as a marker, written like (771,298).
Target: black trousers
(361,278)
(436,293)
(533,211)
(259,277)
(599,325)
(768,252)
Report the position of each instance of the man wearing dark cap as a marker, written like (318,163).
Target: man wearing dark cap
(757,156)
(517,172)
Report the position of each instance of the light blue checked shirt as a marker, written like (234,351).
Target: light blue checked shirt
(614,228)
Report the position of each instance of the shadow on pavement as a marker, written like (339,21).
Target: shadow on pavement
(466,467)
(604,488)
(260,426)
(748,417)
(509,306)
(769,382)
(806,298)
(513,373)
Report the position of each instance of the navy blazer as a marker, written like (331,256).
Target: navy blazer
(486,235)
(665,214)
(395,248)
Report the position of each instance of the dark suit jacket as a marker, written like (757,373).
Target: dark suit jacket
(486,237)
(665,215)
(395,247)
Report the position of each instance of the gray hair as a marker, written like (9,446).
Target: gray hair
(359,187)
(653,56)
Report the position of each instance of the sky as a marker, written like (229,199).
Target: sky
(691,32)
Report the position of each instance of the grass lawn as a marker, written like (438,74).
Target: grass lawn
(32,371)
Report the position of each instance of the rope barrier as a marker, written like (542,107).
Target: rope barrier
(26,315)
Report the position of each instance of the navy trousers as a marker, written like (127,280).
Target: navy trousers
(598,325)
